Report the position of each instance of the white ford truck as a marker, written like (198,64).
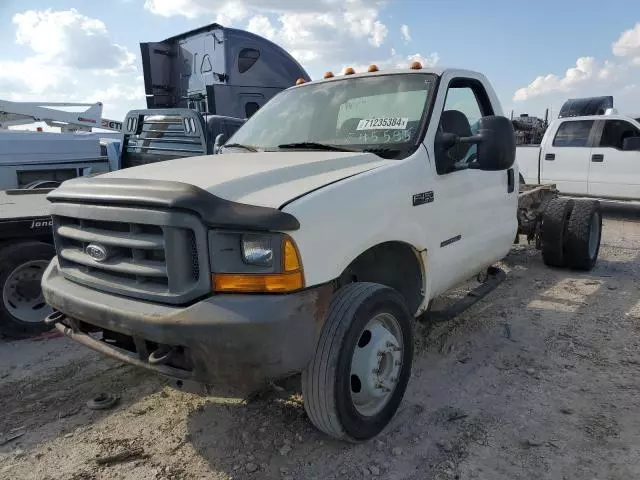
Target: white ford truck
(591,156)
(332,218)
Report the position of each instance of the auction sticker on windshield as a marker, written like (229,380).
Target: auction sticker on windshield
(383,123)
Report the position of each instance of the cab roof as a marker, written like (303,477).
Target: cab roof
(438,71)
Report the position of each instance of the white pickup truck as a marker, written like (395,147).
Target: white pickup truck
(333,217)
(592,156)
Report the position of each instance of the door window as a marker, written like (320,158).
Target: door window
(615,132)
(465,104)
(464,100)
(573,134)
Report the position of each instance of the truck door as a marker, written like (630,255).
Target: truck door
(478,221)
(565,158)
(614,172)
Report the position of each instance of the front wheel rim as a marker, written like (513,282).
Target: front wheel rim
(376,364)
(22,296)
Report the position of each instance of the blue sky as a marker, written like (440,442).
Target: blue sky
(52,55)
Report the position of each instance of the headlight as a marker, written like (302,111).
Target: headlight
(257,250)
(243,262)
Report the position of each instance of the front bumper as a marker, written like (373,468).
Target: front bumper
(241,341)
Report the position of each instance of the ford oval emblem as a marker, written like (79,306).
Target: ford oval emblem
(97,252)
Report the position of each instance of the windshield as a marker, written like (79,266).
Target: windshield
(380,114)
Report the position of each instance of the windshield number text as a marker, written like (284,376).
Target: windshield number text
(382,123)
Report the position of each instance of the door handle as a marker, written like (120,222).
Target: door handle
(598,157)
(511,181)
(550,156)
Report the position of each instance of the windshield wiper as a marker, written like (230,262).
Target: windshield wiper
(239,145)
(316,146)
(384,152)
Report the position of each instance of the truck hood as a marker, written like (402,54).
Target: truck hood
(267,179)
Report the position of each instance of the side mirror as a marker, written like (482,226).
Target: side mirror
(220,139)
(495,140)
(631,144)
(497,145)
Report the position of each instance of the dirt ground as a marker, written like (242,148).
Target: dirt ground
(539,380)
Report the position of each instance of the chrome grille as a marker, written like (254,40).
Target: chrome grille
(159,261)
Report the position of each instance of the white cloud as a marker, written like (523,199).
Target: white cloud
(261,25)
(70,39)
(229,13)
(585,69)
(430,61)
(589,77)
(311,31)
(172,8)
(628,45)
(404,29)
(396,60)
(73,59)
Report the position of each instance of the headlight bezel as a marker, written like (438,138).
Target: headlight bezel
(231,272)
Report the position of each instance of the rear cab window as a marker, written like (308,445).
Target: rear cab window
(573,134)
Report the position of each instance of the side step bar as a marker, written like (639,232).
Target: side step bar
(495,276)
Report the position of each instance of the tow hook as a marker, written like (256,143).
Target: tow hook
(162,355)
(54,317)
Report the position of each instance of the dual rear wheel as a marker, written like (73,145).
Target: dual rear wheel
(570,233)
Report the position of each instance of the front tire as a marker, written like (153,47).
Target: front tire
(357,378)
(22,305)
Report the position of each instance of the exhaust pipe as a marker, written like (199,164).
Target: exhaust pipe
(54,317)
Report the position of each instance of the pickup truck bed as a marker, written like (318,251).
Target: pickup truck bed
(24,214)
(23,204)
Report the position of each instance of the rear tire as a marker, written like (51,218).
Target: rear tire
(584,235)
(22,305)
(553,231)
(357,378)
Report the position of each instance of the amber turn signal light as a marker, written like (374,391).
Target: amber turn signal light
(254,283)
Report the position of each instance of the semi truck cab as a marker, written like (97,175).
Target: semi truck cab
(216,71)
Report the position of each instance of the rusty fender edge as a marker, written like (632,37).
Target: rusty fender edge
(241,341)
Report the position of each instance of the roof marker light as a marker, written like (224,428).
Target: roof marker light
(348,71)
(300,81)
(415,66)
(372,68)
(328,75)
